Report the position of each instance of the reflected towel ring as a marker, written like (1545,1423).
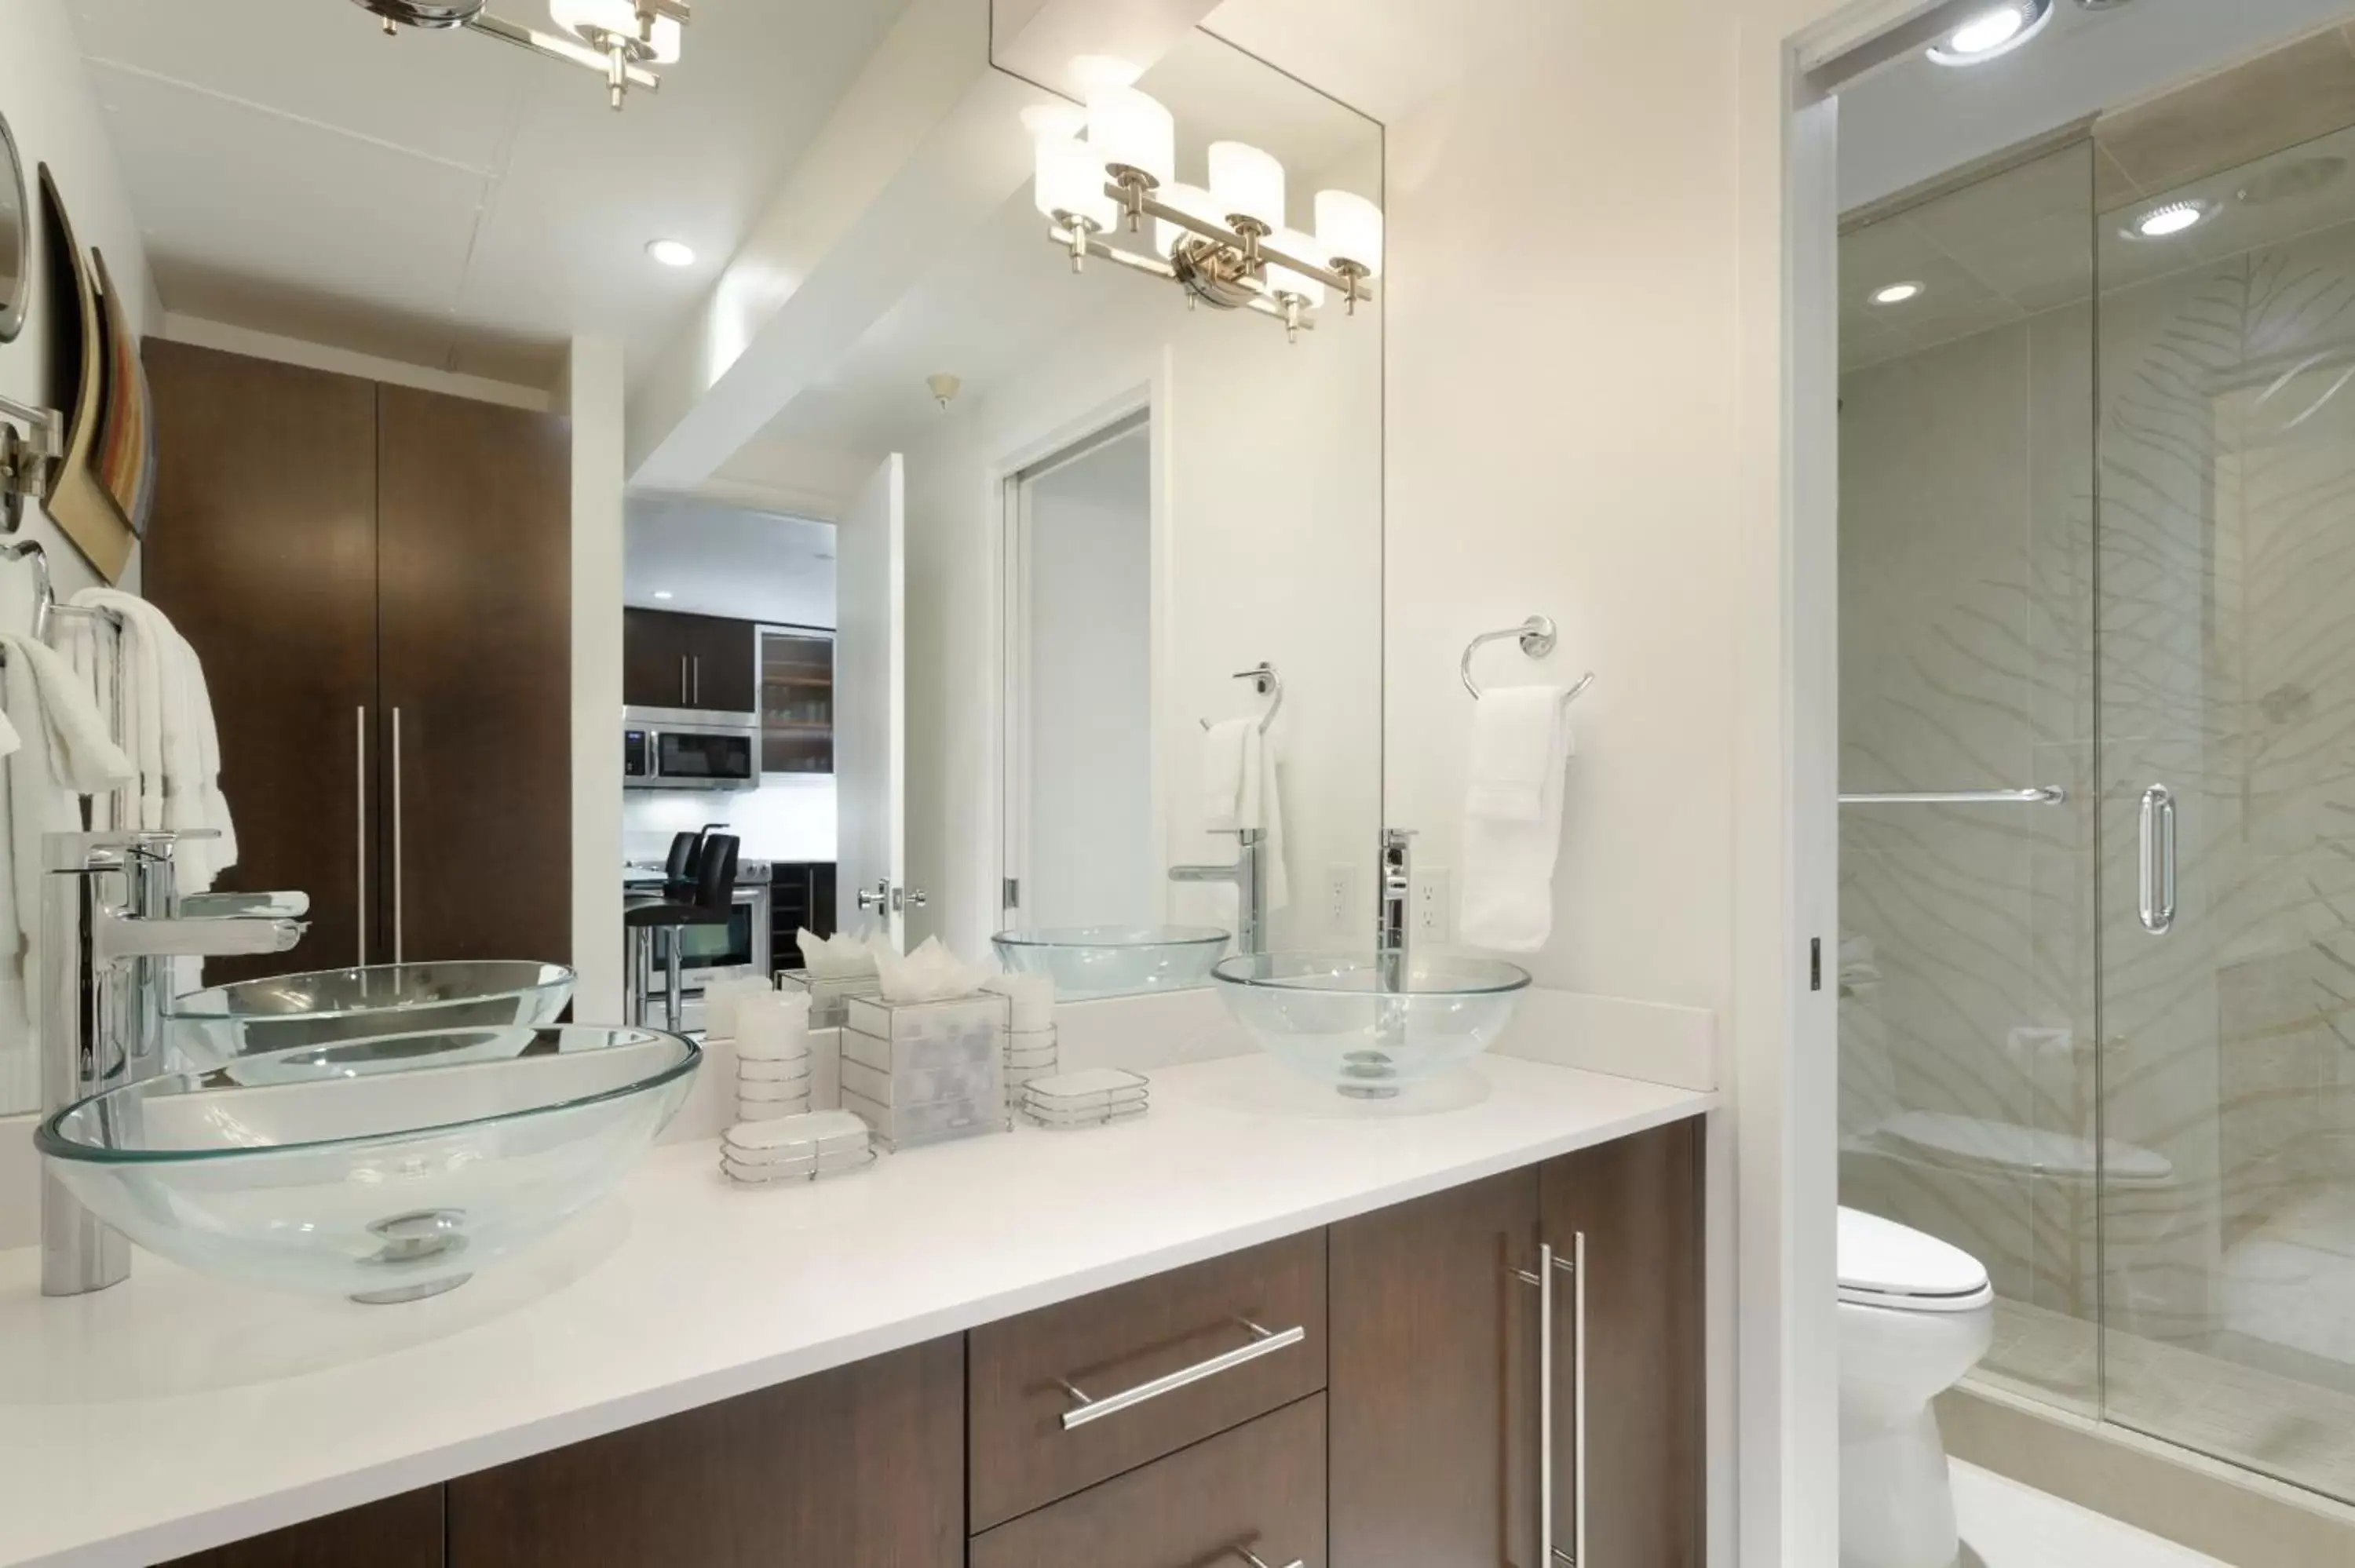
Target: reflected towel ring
(1538,638)
(1266,682)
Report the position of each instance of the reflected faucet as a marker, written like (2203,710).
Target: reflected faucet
(1393,919)
(1249,873)
(105,981)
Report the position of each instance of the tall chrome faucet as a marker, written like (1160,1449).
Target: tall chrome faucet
(111,921)
(1395,913)
(1249,873)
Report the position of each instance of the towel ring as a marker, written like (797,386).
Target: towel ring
(1537,637)
(1266,682)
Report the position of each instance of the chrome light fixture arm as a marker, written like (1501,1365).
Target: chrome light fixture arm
(27,460)
(622,58)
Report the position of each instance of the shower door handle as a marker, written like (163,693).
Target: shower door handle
(2157,879)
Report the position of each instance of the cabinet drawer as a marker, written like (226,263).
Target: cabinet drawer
(1162,1362)
(1259,1488)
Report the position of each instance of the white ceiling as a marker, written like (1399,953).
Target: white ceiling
(986,310)
(446,199)
(726,560)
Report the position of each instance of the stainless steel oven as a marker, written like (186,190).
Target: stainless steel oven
(680,749)
(737,950)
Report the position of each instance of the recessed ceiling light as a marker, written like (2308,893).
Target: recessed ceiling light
(671,252)
(1993,33)
(662,593)
(1896,293)
(2168,221)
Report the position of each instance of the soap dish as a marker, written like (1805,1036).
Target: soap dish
(811,1167)
(811,1133)
(1094,1099)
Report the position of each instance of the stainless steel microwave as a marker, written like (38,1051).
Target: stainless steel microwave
(681,748)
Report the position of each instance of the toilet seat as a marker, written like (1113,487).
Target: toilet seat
(1883,1263)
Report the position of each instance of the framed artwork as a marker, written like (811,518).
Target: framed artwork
(78,501)
(124,455)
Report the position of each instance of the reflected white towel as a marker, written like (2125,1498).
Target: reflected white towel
(1508,857)
(1231,774)
(168,725)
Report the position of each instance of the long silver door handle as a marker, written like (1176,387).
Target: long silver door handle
(1576,1270)
(698,679)
(1550,1263)
(359,822)
(682,679)
(397,920)
(2157,860)
(1543,1280)
(1265,1342)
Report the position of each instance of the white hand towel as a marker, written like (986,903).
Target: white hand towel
(1508,860)
(1231,774)
(168,720)
(1268,817)
(1514,746)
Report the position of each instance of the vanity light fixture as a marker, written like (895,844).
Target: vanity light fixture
(1897,294)
(1227,245)
(2167,222)
(1993,33)
(616,38)
(671,252)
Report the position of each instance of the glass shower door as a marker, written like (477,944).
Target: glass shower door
(2225,554)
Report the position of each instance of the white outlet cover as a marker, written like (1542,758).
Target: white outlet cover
(1340,887)
(1434,907)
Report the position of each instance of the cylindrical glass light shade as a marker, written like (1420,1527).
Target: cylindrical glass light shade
(1069,179)
(1284,280)
(1130,128)
(1191,200)
(579,17)
(1349,229)
(1247,183)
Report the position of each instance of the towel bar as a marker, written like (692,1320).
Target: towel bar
(1538,638)
(1266,682)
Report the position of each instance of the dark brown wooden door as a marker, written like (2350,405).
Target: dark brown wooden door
(399,1533)
(1432,1389)
(654,659)
(722,664)
(262,550)
(1259,1487)
(474,655)
(1638,1203)
(858,1467)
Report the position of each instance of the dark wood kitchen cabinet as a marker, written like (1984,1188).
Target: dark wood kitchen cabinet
(378,580)
(862,1467)
(1432,1393)
(402,1531)
(706,662)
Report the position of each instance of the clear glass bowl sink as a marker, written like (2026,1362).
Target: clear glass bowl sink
(1342,1020)
(1113,960)
(283,1012)
(383,1169)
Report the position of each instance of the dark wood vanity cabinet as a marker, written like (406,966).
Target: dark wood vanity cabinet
(706,662)
(1400,1427)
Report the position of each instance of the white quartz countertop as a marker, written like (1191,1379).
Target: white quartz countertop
(175,1413)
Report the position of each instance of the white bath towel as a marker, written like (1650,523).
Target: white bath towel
(1508,857)
(1230,773)
(63,753)
(168,723)
(1254,801)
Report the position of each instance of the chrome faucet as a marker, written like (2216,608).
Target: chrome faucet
(1249,873)
(1394,913)
(111,921)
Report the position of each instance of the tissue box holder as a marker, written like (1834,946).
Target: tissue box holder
(925,1072)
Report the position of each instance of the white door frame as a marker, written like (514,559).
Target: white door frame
(1013,454)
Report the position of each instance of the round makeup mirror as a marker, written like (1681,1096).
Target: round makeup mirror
(16,237)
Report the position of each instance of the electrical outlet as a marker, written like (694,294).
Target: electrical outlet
(1434,909)
(1340,890)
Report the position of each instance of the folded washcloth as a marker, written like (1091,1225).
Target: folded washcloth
(1508,851)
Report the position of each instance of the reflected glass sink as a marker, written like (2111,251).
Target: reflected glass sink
(1113,960)
(1335,1017)
(282,1012)
(384,1169)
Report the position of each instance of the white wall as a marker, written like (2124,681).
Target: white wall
(790,817)
(55,118)
(594,399)
(1088,568)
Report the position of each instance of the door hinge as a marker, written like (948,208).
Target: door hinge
(1013,899)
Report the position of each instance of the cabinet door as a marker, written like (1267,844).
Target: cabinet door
(858,1467)
(654,659)
(399,1533)
(474,605)
(723,665)
(262,551)
(1637,1202)
(1433,1387)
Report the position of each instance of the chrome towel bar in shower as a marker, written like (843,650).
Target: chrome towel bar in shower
(2041,795)
(1537,636)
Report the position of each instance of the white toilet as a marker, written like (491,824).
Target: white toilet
(1915,1314)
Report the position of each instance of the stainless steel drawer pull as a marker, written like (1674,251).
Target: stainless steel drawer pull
(1256,1560)
(1265,1342)
(1550,1263)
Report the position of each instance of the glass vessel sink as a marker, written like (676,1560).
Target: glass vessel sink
(1113,960)
(383,1169)
(283,1012)
(1343,1020)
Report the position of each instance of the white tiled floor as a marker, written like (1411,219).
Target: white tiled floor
(2012,1526)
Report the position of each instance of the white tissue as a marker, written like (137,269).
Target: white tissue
(1031,998)
(841,955)
(931,973)
(773,1027)
(723,998)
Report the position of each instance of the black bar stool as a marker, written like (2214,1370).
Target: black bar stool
(706,896)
